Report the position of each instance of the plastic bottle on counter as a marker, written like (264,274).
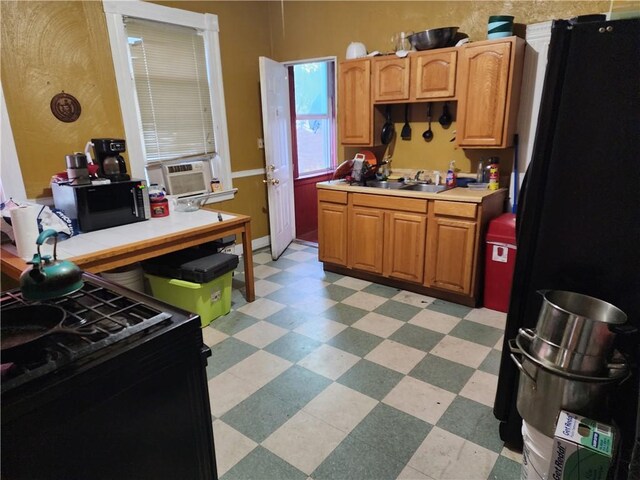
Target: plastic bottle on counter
(451,179)
(480,172)
(494,173)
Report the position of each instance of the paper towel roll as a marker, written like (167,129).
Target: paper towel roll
(24,220)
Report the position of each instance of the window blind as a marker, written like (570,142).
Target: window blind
(169,68)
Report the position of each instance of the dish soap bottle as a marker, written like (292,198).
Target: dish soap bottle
(494,173)
(451,175)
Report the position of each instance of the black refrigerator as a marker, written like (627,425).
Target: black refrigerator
(578,219)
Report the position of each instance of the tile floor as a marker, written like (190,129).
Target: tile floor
(330,377)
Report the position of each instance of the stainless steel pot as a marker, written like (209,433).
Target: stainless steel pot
(76,160)
(562,358)
(577,322)
(544,391)
(433,38)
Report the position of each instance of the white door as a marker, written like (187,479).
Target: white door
(274,89)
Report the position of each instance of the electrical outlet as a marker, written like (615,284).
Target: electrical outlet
(260,143)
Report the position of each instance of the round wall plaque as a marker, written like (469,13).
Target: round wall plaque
(65,107)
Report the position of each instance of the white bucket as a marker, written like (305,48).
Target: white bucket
(131,276)
(536,453)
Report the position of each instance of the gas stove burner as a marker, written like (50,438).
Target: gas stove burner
(96,319)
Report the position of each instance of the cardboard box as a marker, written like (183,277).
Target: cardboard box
(582,449)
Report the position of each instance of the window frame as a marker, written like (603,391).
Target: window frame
(207,23)
(333,94)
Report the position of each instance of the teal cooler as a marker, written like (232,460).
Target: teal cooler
(196,283)
(500,26)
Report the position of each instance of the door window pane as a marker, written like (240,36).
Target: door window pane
(313,98)
(313,139)
(311,88)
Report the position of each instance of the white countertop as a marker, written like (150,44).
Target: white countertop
(91,242)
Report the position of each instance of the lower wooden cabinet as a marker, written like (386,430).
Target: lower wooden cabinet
(433,247)
(388,243)
(405,245)
(366,238)
(451,250)
(332,228)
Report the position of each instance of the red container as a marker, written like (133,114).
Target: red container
(160,209)
(500,260)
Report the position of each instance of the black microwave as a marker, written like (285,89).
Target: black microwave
(103,206)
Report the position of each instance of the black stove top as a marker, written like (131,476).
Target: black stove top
(108,316)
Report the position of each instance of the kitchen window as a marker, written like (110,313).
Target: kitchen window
(169,78)
(313,122)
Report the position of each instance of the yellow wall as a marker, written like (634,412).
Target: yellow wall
(48,47)
(305,29)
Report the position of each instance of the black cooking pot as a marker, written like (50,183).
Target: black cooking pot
(25,324)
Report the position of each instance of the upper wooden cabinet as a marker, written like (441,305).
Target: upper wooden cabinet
(489,75)
(433,74)
(354,102)
(422,76)
(484,77)
(390,78)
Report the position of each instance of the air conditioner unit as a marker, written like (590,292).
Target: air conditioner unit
(189,178)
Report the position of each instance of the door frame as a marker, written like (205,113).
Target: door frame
(334,146)
(335,96)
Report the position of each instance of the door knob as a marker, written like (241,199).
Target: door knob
(273,181)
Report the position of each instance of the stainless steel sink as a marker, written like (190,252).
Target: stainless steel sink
(425,187)
(385,184)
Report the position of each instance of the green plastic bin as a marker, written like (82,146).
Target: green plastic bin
(209,300)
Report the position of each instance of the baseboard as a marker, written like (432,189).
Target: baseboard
(256,244)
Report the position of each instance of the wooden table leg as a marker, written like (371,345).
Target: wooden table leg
(248,262)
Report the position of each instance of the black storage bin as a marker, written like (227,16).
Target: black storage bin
(190,265)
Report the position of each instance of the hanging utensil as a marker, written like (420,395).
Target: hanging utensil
(445,118)
(406,128)
(387,129)
(428,134)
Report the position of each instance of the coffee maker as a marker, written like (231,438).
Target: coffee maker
(107,152)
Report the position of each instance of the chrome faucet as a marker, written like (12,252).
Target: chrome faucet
(417,177)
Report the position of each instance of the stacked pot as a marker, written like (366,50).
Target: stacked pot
(568,362)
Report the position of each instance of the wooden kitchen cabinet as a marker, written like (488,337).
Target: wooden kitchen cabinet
(388,238)
(333,220)
(366,235)
(354,100)
(405,245)
(433,74)
(422,76)
(390,78)
(489,74)
(451,246)
(432,246)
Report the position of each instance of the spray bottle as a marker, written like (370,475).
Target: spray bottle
(451,175)
(494,173)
